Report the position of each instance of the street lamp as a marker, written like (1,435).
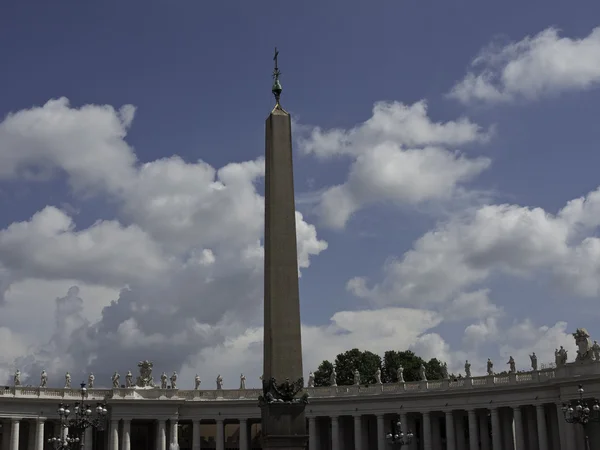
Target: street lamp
(578,411)
(84,417)
(397,436)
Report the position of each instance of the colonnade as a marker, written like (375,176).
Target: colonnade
(529,427)
(35,437)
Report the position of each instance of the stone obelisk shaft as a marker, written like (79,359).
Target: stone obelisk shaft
(283,426)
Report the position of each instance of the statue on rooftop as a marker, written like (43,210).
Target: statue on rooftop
(333,377)
(242,381)
(174,380)
(534,362)
(356,375)
(561,356)
(17,378)
(115,380)
(511,365)
(445,374)
(67,380)
(596,350)
(584,345)
(219,382)
(91,379)
(197,382)
(311,379)
(490,367)
(129,379)
(422,373)
(400,374)
(164,378)
(378,376)
(467,369)
(145,378)
(44,379)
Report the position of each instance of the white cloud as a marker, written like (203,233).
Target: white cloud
(398,156)
(544,64)
(189,260)
(509,239)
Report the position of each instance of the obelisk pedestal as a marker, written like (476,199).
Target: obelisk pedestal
(283,422)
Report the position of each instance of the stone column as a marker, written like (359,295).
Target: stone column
(436,433)
(5,444)
(114,434)
(562,432)
(450,435)
(39,434)
(519,437)
(380,432)
(473,437)
(541,427)
(426,431)
(312,433)
(88,439)
(220,435)
(496,430)
(161,435)
(358,432)
(174,432)
(196,435)
(243,434)
(335,433)
(126,438)
(14,434)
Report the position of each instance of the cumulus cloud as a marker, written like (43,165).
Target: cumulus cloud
(179,263)
(398,156)
(536,66)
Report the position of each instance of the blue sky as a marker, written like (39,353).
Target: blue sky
(198,75)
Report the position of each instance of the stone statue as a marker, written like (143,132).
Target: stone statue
(596,350)
(17,378)
(197,382)
(378,377)
(490,367)
(511,365)
(584,345)
(115,380)
(44,379)
(311,379)
(445,375)
(67,380)
(174,380)
(467,369)
(422,373)
(145,379)
(163,380)
(561,356)
(556,357)
(129,379)
(219,382)
(533,358)
(91,379)
(356,377)
(400,374)
(242,381)
(333,378)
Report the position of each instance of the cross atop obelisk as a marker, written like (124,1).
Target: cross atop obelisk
(282,403)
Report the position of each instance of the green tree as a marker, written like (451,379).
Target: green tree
(366,362)
(323,373)
(408,360)
(433,369)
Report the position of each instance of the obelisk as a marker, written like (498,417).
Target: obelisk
(283,423)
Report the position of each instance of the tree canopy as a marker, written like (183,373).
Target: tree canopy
(367,364)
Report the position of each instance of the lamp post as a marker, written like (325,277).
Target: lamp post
(74,423)
(397,438)
(578,412)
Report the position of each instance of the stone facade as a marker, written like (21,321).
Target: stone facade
(519,411)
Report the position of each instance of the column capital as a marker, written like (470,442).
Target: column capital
(243,420)
(426,413)
(41,419)
(334,417)
(15,419)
